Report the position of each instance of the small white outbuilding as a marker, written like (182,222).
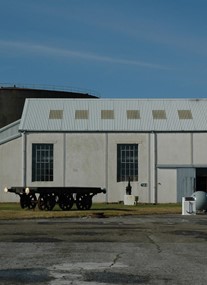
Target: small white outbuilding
(161,144)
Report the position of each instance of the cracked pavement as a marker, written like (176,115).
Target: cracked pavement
(168,249)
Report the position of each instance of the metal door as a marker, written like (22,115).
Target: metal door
(185,182)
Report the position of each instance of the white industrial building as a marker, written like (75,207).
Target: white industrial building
(161,144)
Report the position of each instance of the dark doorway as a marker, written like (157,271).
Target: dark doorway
(201,179)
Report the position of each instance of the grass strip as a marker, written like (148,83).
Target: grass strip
(10,211)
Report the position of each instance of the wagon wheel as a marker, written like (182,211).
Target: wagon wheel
(32,201)
(41,202)
(46,202)
(83,201)
(23,201)
(66,201)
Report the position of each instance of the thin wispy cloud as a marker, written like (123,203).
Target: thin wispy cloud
(42,50)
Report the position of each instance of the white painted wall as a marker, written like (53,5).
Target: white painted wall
(90,159)
(10,168)
(174,149)
(86,161)
(200,149)
(55,138)
(116,190)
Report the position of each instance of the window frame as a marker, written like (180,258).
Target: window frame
(127,162)
(42,162)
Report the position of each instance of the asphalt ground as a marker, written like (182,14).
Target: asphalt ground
(167,249)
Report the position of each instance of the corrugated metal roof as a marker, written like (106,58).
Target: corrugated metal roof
(146,115)
(9,132)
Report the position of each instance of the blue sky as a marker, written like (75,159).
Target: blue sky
(118,48)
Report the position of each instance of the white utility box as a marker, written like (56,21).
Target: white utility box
(129,199)
(188,206)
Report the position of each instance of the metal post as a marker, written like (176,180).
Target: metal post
(24,145)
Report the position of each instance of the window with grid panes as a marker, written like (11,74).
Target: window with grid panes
(42,162)
(127,162)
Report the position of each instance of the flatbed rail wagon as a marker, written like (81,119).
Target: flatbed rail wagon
(47,197)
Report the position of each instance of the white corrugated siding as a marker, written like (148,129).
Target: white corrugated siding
(9,132)
(36,115)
